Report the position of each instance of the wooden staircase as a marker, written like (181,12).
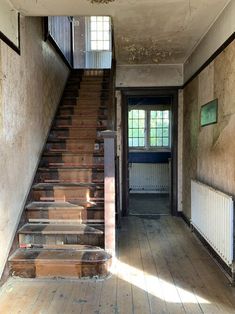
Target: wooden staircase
(63,236)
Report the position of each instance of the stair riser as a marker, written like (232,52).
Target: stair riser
(82,217)
(78,122)
(82,111)
(72,159)
(71,176)
(67,214)
(73,146)
(61,239)
(69,195)
(55,270)
(71,93)
(73,132)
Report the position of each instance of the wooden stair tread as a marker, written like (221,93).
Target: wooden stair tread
(65,255)
(69,153)
(52,205)
(58,229)
(64,165)
(71,168)
(49,186)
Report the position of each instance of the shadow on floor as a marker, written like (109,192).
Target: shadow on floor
(149,204)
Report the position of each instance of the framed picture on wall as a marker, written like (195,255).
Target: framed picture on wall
(209,113)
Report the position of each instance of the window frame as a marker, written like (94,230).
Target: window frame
(89,32)
(148,147)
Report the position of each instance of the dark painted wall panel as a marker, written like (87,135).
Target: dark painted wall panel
(149,157)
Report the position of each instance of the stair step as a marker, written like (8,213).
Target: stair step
(47,229)
(48,186)
(53,212)
(53,205)
(61,263)
(77,166)
(62,234)
(69,192)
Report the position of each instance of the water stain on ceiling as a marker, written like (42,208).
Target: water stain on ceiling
(145,31)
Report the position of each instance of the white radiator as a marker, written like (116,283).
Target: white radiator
(149,177)
(98,59)
(212,216)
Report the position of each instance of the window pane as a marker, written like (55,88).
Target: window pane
(166,114)
(130,123)
(153,142)
(141,123)
(153,123)
(106,26)
(135,142)
(165,142)
(130,133)
(99,18)
(106,45)
(130,142)
(153,114)
(136,113)
(135,132)
(159,142)
(93,18)
(93,45)
(159,122)
(99,36)
(141,114)
(141,142)
(165,132)
(141,132)
(93,26)
(106,36)
(135,123)
(99,45)
(165,122)
(159,132)
(99,26)
(153,133)
(106,18)
(93,36)
(159,114)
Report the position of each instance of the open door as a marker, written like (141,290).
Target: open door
(149,152)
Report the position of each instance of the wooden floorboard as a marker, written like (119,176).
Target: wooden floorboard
(161,267)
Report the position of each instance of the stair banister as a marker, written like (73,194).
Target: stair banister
(109,190)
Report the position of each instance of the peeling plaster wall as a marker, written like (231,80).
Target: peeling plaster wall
(149,75)
(30,89)
(209,152)
(220,31)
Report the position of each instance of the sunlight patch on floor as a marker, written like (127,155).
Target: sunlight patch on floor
(155,286)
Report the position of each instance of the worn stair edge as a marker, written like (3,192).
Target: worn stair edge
(51,229)
(52,205)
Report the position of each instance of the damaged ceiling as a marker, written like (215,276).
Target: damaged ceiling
(146,31)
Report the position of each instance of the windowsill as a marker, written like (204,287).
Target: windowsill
(154,150)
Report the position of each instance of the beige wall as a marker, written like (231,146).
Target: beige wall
(30,89)
(209,152)
(149,75)
(9,21)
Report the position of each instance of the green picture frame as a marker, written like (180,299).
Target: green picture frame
(209,113)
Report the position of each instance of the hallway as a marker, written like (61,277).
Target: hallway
(161,268)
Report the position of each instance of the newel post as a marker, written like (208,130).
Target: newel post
(109,190)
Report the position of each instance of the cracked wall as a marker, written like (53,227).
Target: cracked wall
(30,89)
(209,152)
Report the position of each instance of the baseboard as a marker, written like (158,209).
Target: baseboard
(228,272)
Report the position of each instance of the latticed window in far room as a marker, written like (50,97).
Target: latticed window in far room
(149,129)
(136,128)
(159,128)
(100,33)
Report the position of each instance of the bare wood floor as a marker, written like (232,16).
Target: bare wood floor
(161,268)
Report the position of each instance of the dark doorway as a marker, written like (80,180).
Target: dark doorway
(150,151)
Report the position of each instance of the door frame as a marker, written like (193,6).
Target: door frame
(145,92)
